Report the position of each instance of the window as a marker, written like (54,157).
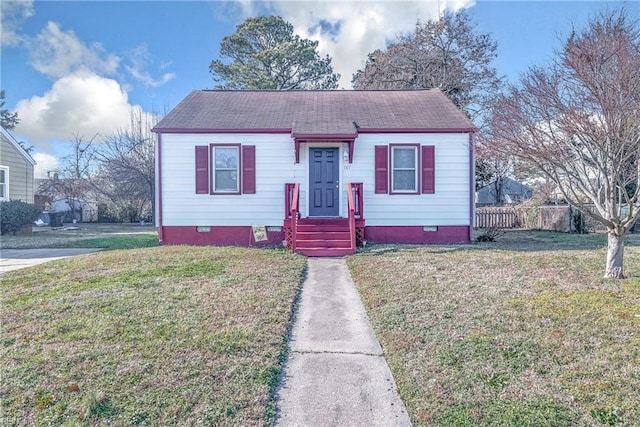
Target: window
(226,163)
(404,169)
(225,169)
(4,183)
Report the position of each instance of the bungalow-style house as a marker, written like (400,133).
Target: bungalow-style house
(16,170)
(321,171)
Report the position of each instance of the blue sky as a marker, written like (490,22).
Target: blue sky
(78,68)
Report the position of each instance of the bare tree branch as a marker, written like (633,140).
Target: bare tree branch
(578,122)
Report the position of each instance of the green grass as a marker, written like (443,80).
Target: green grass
(523,332)
(170,335)
(114,242)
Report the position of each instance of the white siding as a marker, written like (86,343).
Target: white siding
(450,205)
(181,206)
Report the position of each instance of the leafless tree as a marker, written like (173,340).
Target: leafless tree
(127,172)
(446,53)
(71,181)
(578,123)
(495,167)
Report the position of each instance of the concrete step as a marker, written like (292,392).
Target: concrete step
(322,244)
(326,252)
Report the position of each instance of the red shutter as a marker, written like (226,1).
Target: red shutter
(202,169)
(382,169)
(428,169)
(248,169)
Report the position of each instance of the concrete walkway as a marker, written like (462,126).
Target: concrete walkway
(336,374)
(14,259)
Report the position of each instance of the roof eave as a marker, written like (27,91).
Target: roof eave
(217,130)
(18,147)
(312,137)
(418,130)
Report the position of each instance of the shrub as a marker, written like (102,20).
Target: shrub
(490,234)
(15,214)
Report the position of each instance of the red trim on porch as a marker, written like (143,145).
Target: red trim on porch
(219,236)
(447,234)
(322,137)
(328,138)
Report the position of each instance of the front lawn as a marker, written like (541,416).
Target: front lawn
(169,335)
(522,332)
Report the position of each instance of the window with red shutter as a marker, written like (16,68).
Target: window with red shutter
(226,169)
(404,168)
(382,169)
(248,169)
(202,169)
(428,169)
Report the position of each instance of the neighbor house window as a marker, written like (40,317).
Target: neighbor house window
(226,164)
(4,183)
(404,166)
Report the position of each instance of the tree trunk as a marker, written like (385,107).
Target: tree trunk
(615,255)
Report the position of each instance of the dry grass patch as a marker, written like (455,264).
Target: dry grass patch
(158,336)
(519,333)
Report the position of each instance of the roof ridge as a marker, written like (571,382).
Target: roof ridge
(315,90)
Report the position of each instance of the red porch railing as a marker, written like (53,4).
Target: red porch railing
(355,188)
(292,209)
(355,206)
(313,241)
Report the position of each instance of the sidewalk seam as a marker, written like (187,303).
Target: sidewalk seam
(359,353)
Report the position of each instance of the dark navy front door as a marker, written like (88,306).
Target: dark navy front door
(324,187)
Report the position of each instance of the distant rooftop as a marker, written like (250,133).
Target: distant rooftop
(337,113)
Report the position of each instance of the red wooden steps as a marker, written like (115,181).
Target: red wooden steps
(324,237)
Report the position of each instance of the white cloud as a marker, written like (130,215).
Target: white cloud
(45,163)
(57,53)
(354,29)
(13,13)
(82,104)
(140,58)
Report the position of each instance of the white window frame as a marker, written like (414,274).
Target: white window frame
(415,169)
(214,168)
(5,184)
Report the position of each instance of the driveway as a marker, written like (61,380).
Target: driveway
(14,259)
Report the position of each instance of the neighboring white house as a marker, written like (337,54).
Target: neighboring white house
(16,170)
(228,163)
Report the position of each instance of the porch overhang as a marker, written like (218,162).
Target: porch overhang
(349,139)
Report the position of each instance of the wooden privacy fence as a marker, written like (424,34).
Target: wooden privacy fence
(561,218)
(501,217)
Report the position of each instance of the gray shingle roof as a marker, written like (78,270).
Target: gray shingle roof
(311,113)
